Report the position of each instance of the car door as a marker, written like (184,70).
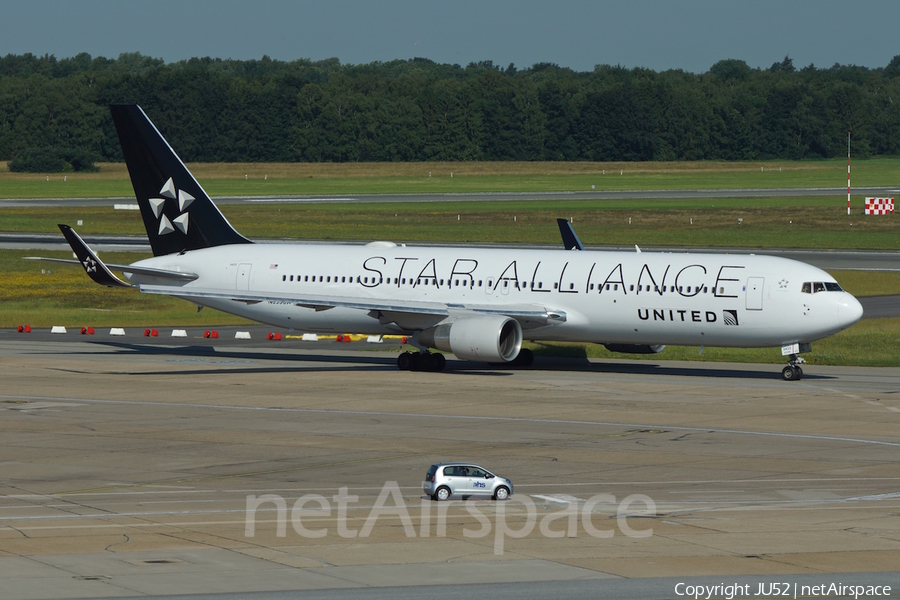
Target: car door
(478,481)
(457,479)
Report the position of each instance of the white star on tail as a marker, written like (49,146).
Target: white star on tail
(184,201)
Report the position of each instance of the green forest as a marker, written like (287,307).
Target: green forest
(214,110)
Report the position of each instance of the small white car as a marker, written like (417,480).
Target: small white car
(464,479)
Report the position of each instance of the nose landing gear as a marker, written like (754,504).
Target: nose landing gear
(793,372)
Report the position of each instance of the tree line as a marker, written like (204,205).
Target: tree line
(215,110)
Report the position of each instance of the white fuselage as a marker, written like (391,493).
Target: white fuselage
(606,297)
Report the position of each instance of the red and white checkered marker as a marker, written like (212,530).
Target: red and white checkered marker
(879,206)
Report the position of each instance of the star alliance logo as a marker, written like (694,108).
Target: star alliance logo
(90,265)
(184,200)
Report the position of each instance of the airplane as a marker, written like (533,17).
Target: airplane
(477,303)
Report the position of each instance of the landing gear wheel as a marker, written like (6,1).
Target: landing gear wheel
(791,373)
(524,359)
(421,361)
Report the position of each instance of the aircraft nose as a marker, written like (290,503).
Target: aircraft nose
(849,310)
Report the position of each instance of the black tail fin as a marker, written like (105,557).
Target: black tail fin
(570,240)
(177,213)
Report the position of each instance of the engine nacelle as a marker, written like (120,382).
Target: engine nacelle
(493,339)
(635,348)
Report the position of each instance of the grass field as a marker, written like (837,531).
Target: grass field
(794,222)
(232,179)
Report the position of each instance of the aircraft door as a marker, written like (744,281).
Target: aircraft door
(755,293)
(242,281)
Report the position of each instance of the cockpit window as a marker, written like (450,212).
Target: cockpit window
(813,287)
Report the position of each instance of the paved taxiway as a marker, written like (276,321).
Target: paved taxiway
(478,197)
(127,467)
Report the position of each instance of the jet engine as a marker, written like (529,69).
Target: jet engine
(635,348)
(493,339)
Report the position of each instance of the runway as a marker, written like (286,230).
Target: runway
(128,469)
(474,197)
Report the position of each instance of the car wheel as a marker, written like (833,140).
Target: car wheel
(442,493)
(501,493)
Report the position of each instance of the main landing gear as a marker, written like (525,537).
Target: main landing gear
(421,361)
(793,372)
(426,361)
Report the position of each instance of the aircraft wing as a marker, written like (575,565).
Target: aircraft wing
(529,315)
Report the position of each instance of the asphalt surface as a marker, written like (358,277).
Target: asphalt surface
(477,197)
(128,466)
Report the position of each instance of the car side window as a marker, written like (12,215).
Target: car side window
(477,473)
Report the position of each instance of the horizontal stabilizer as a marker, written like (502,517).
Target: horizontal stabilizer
(92,264)
(159,273)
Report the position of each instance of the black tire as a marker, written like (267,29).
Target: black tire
(429,362)
(501,493)
(404,361)
(799,373)
(442,494)
(525,358)
(788,373)
(439,362)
